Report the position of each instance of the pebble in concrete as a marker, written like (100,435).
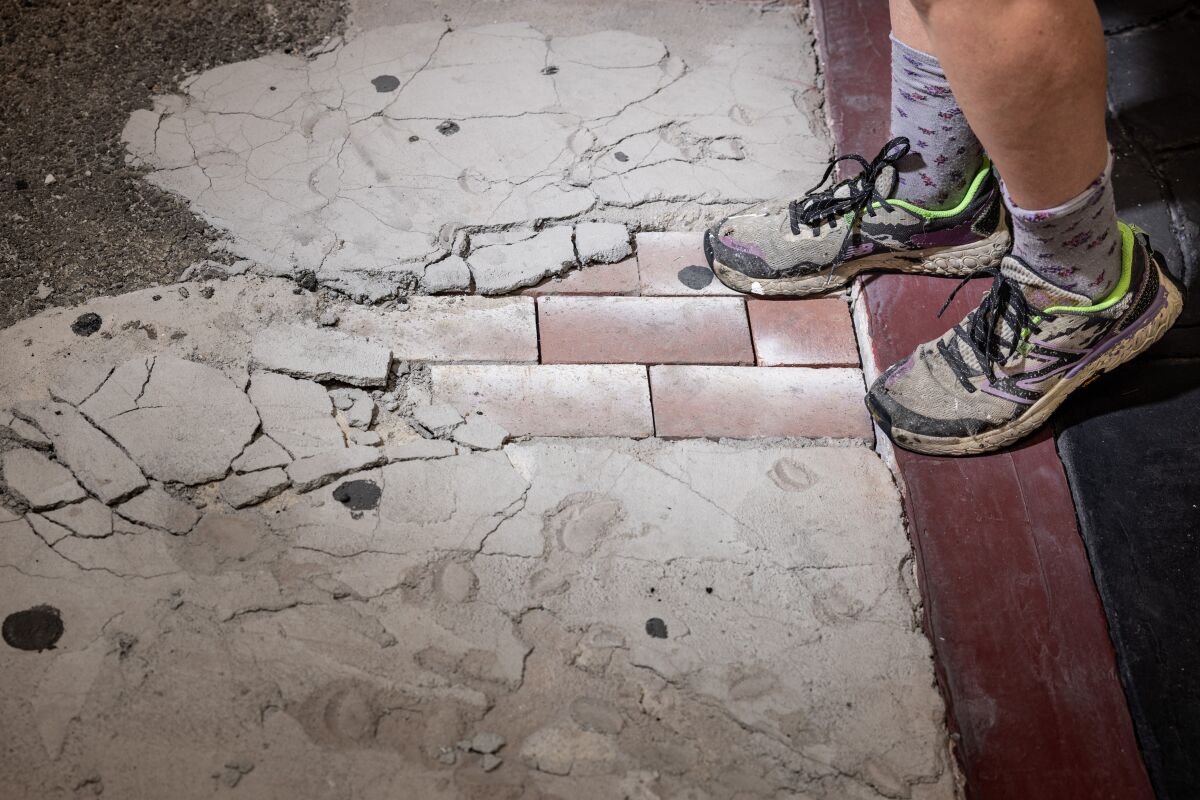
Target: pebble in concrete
(602,242)
(262,453)
(89,518)
(296,414)
(322,354)
(316,471)
(97,463)
(186,425)
(480,433)
(37,481)
(503,268)
(253,487)
(157,509)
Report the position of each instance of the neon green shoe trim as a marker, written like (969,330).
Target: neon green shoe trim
(1122,286)
(950,212)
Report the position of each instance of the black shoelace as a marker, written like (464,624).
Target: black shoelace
(1004,302)
(859,191)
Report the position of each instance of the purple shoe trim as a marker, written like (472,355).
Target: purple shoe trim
(963,234)
(1107,344)
(741,247)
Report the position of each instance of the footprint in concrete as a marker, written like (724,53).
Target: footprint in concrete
(86,324)
(696,277)
(791,476)
(358,495)
(386,83)
(38,628)
(656,628)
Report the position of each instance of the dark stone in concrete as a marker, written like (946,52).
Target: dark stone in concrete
(358,495)
(656,628)
(86,324)
(38,628)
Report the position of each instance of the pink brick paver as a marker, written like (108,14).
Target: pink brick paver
(620,278)
(754,402)
(551,400)
(452,329)
(800,333)
(644,330)
(673,263)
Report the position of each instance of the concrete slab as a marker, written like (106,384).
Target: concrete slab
(37,481)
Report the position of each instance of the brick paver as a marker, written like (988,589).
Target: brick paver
(452,329)
(753,402)
(551,400)
(644,330)
(620,278)
(800,333)
(673,263)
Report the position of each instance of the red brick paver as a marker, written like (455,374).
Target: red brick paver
(815,332)
(620,278)
(551,400)
(673,264)
(644,330)
(754,402)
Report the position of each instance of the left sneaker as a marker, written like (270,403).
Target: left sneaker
(1001,372)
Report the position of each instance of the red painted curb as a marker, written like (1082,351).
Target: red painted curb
(1020,640)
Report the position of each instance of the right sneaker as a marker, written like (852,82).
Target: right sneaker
(821,241)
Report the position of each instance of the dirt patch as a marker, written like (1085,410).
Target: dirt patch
(73,72)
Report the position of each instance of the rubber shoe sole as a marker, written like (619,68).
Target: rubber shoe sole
(1145,333)
(950,262)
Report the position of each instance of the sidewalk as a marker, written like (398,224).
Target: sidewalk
(618,532)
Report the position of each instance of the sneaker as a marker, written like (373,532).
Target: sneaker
(1000,373)
(821,241)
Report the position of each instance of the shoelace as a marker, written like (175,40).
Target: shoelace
(1004,301)
(819,204)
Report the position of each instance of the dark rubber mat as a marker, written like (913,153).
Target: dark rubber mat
(1131,446)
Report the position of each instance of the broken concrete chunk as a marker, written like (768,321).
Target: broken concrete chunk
(254,487)
(90,518)
(185,425)
(502,268)
(120,393)
(451,274)
(356,406)
(262,453)
(37,481)
(98,464)
(157,509)
(602,242)
(487,742)
(50,532)
(297,414)
(490,762)
(316,471)
(438,419)
(418,449)
(328,318)
(21,432)
(322,354)
(480,433)
(366,438)
(79,382)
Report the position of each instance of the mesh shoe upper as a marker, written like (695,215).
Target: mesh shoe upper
(780,240)
(1025,336)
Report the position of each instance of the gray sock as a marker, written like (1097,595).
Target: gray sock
(1075,245)
(945,154)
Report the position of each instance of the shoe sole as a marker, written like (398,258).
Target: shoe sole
(1037,414)
(950,262)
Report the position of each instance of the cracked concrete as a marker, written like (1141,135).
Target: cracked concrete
(374,162)
(644,618)
(282,570)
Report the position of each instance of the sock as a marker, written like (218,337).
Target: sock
(945,154)
(1076,245)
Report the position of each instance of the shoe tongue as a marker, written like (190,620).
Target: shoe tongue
(1040,292)
(886,181)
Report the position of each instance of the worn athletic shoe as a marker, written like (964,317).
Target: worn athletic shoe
(821,241)
(999,374)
